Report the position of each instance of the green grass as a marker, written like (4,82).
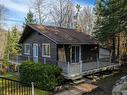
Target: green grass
(11,76)
(15,77)
(41,92)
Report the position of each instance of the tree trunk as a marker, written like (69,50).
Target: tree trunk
(118,46)
(113,48)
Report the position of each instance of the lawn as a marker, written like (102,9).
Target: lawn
(15,77)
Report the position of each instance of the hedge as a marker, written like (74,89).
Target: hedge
(45,77)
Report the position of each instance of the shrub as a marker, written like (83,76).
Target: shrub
(45,76)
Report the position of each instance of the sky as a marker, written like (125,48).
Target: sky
(17,10)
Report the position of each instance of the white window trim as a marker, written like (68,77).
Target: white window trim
(49,50)
(25,48)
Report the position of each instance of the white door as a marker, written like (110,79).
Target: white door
(35,53)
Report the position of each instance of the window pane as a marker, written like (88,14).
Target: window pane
(77,54)
(36,50)
(46,50)
(73,54)
(26,49)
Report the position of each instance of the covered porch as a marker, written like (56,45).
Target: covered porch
(82,60)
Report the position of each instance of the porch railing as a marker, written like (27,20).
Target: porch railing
(71,69)
(13,87)
(18,59)
(64,66)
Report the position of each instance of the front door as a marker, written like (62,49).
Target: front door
(75,54)
(35,53)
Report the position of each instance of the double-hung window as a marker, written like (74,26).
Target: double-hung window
(27,49)
(45,50)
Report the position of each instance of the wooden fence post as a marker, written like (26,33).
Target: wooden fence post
(33,88)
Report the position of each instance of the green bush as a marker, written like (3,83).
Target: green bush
(45,77)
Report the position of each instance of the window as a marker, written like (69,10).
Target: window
(75,54)
(46,50)
(27,49)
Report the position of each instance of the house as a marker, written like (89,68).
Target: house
(75,52)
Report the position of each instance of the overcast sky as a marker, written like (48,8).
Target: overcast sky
(17,10)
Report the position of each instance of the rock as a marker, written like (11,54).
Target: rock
(120,87)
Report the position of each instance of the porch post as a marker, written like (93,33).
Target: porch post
(32,88)
(17,59)
(28,58)
(81,66)
(110,59)
(68,67)
(98,65)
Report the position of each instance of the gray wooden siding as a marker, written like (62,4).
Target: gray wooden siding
(35,37)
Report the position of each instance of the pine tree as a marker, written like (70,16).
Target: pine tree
(78,7)
(108,21)
(14,41)
(12,46)
(7,50)
(29,19)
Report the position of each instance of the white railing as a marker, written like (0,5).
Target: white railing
(100,63)
(64,66)
(72,69)
(18,59)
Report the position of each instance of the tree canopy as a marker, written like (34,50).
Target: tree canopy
(12,46)
(29,19)
(111,19)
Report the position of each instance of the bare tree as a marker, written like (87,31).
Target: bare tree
(38,7)
(76,17)
(86,20)
(62,12)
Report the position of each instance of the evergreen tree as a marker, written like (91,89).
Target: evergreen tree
(12,45)
(6,52)
(122,11)
(78,7)
(108,21)
(14,41)
(29,19)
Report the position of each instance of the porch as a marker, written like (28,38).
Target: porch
(71,70)
(79,60)
(76,60)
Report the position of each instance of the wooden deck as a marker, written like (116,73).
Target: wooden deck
(73,70)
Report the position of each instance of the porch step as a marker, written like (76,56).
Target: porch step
(79,81)
(76,77)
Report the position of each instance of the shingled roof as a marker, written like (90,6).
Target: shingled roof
(61,35)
